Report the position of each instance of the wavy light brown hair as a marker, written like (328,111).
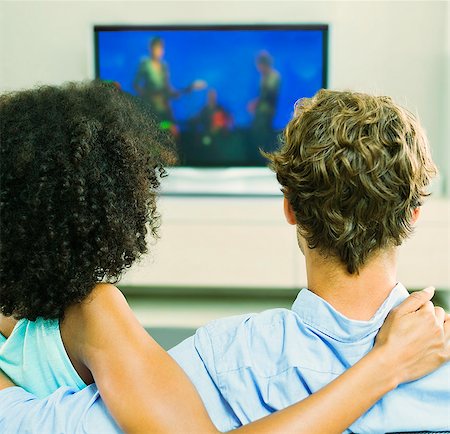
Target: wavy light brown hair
(353,167)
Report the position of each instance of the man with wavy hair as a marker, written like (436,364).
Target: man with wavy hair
(354,170)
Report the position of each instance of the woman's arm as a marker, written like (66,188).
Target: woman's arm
(143,388)
(146,390)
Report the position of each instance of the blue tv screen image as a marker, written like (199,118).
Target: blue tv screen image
(223,92)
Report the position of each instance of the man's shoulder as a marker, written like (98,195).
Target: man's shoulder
(253,323)
(255,340)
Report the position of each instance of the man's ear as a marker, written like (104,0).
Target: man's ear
(289,212)
(415,215)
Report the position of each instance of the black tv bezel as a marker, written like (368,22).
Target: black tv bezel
(225,27)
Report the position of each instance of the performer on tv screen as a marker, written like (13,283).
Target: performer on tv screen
(152,83)
(213,117)
(264,106)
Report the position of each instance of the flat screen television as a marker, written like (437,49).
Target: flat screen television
(223,92)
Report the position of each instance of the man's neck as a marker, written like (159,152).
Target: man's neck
(357,296)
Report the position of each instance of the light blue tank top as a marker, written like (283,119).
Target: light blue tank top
(34,357)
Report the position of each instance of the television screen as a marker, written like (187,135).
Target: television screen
(223,92)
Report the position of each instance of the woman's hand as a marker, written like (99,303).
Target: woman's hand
(415,337)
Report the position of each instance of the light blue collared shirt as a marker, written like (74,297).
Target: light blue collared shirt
(249,366)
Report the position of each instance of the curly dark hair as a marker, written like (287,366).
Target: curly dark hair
(80,166)
(353,167)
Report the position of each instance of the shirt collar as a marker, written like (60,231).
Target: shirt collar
(319,314)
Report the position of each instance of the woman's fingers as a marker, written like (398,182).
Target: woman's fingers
(415,301)
(440,315)
(426,308)
(447,328)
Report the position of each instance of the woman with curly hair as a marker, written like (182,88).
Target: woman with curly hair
(80,170)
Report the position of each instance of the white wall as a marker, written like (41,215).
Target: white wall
(395,48)
(246,242)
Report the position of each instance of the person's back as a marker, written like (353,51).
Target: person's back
(250,366)
(354,169)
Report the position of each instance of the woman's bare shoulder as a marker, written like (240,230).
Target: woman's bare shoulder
(85,324)
(102,298)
